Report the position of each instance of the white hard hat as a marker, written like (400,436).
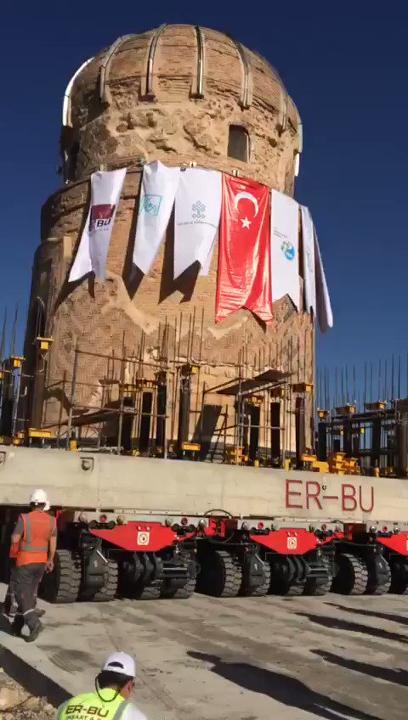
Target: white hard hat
(47,506)
(39,497)
(121,662)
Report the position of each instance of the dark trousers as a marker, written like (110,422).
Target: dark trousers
(26,581)
(10,601)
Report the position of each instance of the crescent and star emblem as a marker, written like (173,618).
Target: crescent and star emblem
(246,223)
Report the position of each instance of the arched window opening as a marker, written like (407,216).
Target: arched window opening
(238,143)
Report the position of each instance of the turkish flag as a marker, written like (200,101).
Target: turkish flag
(244,267)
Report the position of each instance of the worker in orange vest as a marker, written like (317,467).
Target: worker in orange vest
(33,545)
(10,600)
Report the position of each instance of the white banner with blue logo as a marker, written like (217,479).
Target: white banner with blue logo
(285,248)
(196,218)
(324,308)
(92,253)
(309,274)
(159,186)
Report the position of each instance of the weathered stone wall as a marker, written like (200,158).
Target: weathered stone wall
(175,126)
(176,129)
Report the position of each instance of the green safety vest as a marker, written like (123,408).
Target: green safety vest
(89,706)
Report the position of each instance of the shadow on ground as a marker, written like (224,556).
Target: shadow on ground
(399,677)
(335,623)
(371,613)
(26,674)
(282,688)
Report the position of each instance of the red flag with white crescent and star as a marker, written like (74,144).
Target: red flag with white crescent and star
(244,267)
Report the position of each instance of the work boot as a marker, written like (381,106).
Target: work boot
(34,633)
(9,610)
(39,612)
(16,627)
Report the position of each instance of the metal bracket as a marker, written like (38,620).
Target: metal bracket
(150,94)
(104,92)
(87,464)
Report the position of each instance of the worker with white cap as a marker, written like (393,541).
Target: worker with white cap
(110,700)
(33,547)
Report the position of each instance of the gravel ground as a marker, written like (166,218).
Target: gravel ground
(17,704)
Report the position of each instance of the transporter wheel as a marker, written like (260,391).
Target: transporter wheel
(179,593)
(262,589)
(379,577)
(140,576)
(167,589)
(319,586)
(399,576)
(286,576)
(221,575)
(296,589)
(62,585)
(110,588)
(149,592)
(352,575)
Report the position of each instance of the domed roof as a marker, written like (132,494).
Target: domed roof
(181,94)
(173,62)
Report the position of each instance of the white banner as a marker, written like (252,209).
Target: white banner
(309,274)
(285,247)
(324,308)
(82,264)
(92,253)
(196,218)
(206,265)
(159,188)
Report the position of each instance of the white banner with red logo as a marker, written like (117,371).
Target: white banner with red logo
(159,186)
(309,271)
(285,247)
(244,264)
(324,308)
(196,218)
(92,253)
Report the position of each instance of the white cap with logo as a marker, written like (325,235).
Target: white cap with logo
(121,662)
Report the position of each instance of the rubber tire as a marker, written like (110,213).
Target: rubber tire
(108,592)
(296,589)
(352,576)
(285,585)
(221,575)
(62,585)
(150,592)
(182,593)
(316,587)
(399,577)
(384,587)
(261,590)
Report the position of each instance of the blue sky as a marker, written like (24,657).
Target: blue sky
(345,65)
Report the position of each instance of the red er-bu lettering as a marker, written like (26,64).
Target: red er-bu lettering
(308,495)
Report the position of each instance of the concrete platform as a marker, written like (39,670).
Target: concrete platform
(240,659)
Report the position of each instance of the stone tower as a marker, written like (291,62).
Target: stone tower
(180,94)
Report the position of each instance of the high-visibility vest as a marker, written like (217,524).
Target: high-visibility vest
(33,547)
(89,706)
